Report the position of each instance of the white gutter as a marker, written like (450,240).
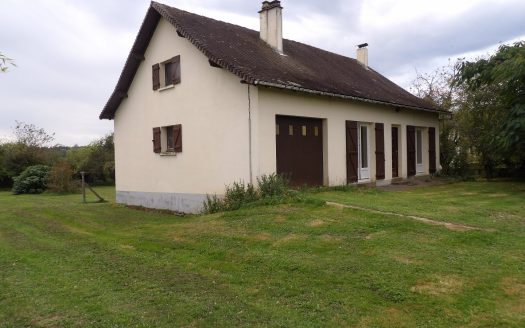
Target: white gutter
(336,95)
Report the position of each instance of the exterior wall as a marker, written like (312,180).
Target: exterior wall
(228,130)
(335,112)
(212,106)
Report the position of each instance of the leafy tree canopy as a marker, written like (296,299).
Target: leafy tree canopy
(502,77)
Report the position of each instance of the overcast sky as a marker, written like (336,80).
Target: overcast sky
(70,53)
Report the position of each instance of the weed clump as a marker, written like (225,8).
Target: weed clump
(270,188)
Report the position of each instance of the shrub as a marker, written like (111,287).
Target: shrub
(273,185)
(32,180)
(270,188)
(238,194)
(213,204)
(61,178)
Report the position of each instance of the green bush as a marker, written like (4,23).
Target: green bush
(213,204)
(32,180)
(238,194)
(272,185)
(270,189)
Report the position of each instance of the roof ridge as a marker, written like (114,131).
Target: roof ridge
(252,30)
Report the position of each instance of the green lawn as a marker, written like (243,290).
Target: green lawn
(64,263)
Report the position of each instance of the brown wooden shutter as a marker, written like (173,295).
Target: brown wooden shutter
(156,76)
(351,151)
(175,70)
(177,138)
(411,150)
(432,150)
(380,151)
(156,140)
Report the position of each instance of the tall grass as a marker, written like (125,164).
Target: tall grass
(271,188)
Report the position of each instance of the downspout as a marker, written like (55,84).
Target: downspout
(250,133)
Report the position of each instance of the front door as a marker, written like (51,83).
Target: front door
(364,154)
(299,146)
(395,152)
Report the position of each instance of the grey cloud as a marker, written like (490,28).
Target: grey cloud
(116,14)
(67,71)
(427,38)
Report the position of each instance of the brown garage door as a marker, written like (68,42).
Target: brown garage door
(300,149)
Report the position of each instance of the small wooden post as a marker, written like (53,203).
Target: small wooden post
(83,186)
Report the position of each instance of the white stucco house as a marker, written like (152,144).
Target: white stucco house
(202,103)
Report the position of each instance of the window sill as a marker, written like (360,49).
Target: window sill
(168,153)
(171,86)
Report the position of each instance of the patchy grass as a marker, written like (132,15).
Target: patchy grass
(64,263)
(498,205)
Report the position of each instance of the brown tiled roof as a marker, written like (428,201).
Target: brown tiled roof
(301,68)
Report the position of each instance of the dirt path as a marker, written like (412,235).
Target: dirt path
(448,225)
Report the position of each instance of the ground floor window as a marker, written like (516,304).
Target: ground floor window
(364,170)
(419,151)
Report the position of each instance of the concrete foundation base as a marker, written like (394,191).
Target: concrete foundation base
(184,203)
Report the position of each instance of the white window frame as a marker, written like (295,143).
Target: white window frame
(363,172)
(420,167)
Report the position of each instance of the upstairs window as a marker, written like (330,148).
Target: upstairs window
(166,74)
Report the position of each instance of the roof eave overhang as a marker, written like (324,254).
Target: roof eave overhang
(341,96)
(135,57)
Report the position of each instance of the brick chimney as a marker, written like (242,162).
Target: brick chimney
(362,54)
(272,24)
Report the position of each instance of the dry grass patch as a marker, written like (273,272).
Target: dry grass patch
(439,286)
(514,304)
(196,228)
(262,236)
(498,195)
(390,317)
(376,235)
(317,223)
(53,320)
(77,230)
(280,219)
(405,259)
(289,238)
(513,287)
(330,238)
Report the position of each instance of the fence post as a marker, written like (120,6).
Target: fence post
(83,187)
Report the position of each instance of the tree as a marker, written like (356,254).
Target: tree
(497,85)
(31,136)
(97,159)
(28,149)
(437,88)
(5,62)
